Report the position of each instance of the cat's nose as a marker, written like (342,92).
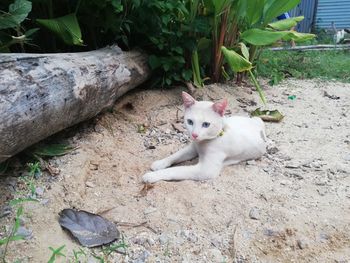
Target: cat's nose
(194,135)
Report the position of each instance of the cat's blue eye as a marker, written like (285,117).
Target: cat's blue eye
(189,122)
(205,124)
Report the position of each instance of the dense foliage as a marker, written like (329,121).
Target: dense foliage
(188,40)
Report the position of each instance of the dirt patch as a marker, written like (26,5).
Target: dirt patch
(293,205)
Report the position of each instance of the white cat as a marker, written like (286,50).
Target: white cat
(217,140)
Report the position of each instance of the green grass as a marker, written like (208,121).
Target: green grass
(330,64)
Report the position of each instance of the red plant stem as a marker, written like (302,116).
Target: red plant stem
(218,55)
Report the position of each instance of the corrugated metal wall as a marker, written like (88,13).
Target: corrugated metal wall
(337,11)
(307,9)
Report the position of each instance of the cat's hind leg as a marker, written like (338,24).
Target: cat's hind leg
(185,154)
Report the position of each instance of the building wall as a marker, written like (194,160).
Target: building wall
(337,11)
(307,9)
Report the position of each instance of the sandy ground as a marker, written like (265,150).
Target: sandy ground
(293,205)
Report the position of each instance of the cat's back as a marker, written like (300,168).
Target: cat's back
(245,123)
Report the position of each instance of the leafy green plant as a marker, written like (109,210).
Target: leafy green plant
(278,65)
(13,236)
(11,31)
(65,27)
(77,254)
(56,252)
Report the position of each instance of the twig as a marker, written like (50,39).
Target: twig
(143,224)
(190,87)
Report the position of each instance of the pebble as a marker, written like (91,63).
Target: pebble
(143,257)
(285,182)
(44,201)
(26,233)
(5,211)
(322,191)
(251,162)
(302,243)
(292,165)
(163,239)
(272,150)
(324,237)
(189,235)
(89,184)
(254,213)
(39,191)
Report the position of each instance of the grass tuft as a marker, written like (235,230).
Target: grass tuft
(328,65)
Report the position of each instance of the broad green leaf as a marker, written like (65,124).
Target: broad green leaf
(267,115)
(274,8)
(260,37)
(18,11)
(197,80)
(52,149)
(65,27)
(154,62)
(236,61)
(220,5)
(244,50)
(203,43)
(30,32)
(286,24)
(251,10)
(298,37)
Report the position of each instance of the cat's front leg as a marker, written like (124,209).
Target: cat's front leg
(187,153)
(198,172)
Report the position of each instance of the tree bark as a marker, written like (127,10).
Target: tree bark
(41,94)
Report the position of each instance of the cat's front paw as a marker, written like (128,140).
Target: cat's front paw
(159,165)
(150,178)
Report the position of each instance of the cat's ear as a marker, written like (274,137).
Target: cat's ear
(187,99)
(220,107)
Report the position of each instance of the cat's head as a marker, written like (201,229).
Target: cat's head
(203,119)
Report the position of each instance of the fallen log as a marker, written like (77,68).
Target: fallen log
(42,94)
(312,47)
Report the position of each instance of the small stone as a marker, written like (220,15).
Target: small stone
(44,201)
(143,257)
(163,239)
(254,213)
(149,210)
(322,191)
(272,150)
(285,182)
(39,191)
(292,165)
(5,211)
(90,184)
(26,233)
(189,235)
(302,243)
(251,162)
(324,237)
(270,233)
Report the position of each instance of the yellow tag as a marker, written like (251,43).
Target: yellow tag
(221,133)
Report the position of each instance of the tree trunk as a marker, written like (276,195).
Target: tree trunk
(41,94)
